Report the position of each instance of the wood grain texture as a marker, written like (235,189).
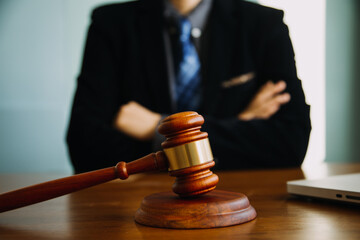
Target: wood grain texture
(215,209)
(107,211)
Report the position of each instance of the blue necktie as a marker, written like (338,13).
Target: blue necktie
(188,72)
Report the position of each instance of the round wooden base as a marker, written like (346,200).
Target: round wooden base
(211,210)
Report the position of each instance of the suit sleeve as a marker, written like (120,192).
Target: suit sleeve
(93,143)
(280,141)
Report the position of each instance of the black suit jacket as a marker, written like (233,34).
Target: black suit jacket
(124,60)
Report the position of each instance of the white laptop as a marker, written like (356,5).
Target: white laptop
(344,188)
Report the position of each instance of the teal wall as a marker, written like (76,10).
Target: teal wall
(342,81)
(33,94)
(41,44)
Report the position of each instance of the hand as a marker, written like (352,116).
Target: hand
(266,102)
(137,121)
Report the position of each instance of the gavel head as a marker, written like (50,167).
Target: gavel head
(189,154)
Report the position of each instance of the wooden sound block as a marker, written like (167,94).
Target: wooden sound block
(211,210)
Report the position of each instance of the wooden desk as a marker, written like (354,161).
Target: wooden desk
(107,211)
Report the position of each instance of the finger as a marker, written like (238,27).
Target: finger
(279,86)
(273,106)
(270,89)
(269,109)
(282,98)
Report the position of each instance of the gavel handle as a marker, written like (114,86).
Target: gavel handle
(55,188)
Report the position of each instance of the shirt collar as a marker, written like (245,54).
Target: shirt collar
(198,16)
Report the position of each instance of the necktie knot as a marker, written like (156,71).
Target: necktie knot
(184,29)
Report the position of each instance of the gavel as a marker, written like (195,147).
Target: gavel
(186,154)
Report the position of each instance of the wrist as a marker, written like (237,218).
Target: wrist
(245,116)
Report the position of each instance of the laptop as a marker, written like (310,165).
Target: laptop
(341,188)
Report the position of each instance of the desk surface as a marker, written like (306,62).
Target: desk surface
(107,211)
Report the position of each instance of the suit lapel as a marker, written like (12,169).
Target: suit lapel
(151,35)
(222,32)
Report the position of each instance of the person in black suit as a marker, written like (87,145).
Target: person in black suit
(251,98)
